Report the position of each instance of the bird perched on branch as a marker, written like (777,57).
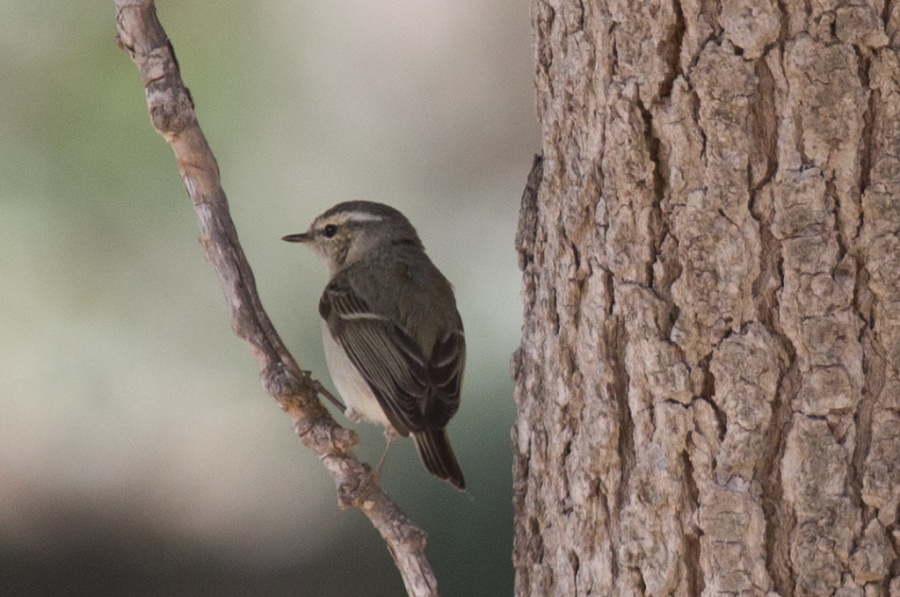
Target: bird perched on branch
(393,338)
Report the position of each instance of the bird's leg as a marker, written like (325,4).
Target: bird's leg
(321,391)
(390,434)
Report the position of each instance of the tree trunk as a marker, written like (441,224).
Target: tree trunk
(707,385)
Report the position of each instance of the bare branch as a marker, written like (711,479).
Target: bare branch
(172,114)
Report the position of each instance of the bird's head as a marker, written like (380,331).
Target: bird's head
(350,231)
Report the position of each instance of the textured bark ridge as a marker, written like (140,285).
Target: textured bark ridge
(708,388)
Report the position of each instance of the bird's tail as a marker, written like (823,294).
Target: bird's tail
(437,456)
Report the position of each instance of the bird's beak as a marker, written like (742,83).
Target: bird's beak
(302,237)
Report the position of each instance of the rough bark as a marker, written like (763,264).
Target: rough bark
(708,389)
(172,114)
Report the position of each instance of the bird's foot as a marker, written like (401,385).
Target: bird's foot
(352,415)
(390,434)
(321,391)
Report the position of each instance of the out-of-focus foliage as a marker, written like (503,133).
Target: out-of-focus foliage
(138,454)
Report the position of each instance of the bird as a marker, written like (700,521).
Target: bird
(392,334)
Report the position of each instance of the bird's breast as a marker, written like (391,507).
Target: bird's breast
(351,385)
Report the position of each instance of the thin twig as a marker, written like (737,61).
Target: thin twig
(172,114)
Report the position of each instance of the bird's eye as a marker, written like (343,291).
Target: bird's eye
(330,230)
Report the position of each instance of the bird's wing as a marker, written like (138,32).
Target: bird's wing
(386,356)
(448,359)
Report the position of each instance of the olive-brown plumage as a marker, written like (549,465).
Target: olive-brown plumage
(392,334)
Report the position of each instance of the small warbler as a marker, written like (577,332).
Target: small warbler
(393,337)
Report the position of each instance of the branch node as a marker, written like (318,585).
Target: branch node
(278,381)
(349,490)
(124,46)
(344,439)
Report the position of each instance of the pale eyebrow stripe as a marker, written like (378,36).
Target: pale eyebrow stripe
(351,217)
(361,216)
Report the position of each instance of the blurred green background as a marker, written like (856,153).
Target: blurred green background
(138,453)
